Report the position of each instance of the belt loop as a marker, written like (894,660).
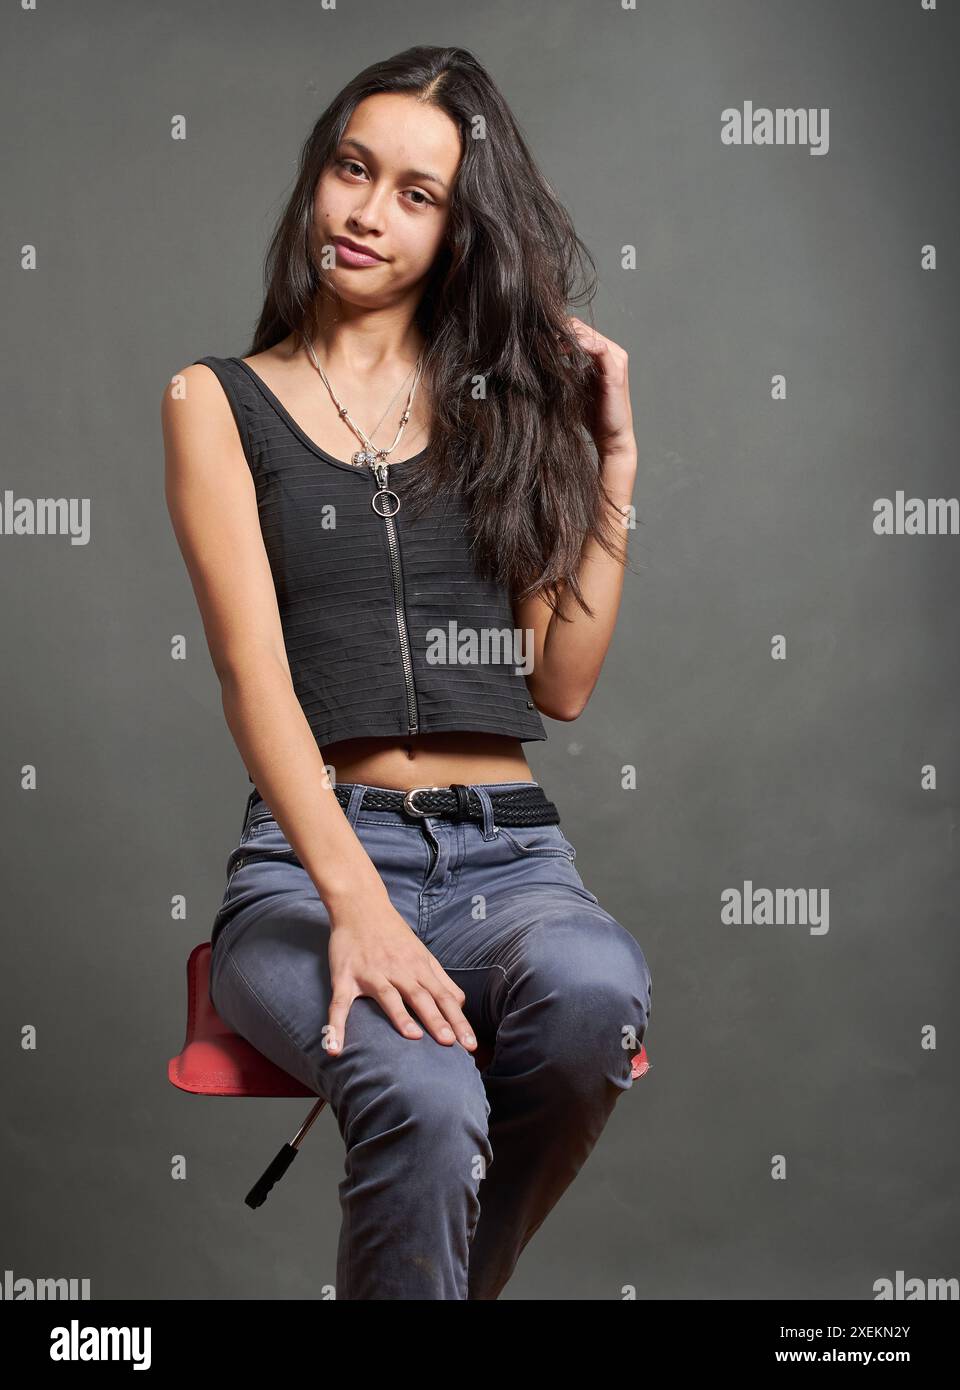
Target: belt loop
(352,809)
(463,800)
(488,829)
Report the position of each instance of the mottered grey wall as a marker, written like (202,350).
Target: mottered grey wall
(764,786)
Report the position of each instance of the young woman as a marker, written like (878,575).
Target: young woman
(404,551)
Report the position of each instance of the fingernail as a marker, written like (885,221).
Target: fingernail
(469,1039)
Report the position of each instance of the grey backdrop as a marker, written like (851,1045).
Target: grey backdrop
(755,519)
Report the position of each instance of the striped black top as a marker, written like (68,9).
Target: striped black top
(387,626)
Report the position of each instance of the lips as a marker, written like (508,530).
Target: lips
(350,253)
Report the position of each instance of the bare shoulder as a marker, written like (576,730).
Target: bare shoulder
(212,504)
(196,416)
(198,391)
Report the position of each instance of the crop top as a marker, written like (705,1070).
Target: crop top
(388,628)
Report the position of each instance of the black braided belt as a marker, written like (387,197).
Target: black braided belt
(516,806)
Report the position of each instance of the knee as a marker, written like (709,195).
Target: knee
(601,968)
(600,990)
(423,1097)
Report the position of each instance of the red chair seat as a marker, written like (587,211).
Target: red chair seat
(215,1061)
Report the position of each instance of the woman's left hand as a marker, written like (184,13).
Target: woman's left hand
(612,422)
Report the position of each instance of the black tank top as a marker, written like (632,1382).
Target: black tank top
(368,602)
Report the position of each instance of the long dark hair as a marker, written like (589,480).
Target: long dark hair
(494,308)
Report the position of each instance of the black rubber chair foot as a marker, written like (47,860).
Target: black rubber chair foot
(260,1190)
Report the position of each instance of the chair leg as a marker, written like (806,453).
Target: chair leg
(261,1188)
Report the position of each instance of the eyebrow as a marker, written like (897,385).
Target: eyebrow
(420,174)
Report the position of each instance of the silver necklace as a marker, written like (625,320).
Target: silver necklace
(370,455)
(392,401)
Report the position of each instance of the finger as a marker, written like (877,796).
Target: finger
(597,345)
(582,334)
(588,337)
(334,1032)
(391,1001)
(444,979)
(450,1008)
(450,1000)
(424,999)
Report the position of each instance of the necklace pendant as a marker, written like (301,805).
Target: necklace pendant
(362,457)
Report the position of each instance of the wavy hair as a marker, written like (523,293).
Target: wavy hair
(493,311)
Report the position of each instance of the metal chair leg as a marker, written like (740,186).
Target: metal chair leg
(258,1193)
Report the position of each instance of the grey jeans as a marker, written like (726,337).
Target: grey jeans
(449,1170)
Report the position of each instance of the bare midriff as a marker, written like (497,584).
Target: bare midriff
(426,760)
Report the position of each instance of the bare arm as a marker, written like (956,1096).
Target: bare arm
(212,503)
(569,656)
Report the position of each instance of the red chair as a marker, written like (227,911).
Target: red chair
(217,1062)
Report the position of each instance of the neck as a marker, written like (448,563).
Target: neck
(353,341)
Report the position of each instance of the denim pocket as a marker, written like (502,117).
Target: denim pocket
(262,840)
(537,841)
(258,824)
(235,861)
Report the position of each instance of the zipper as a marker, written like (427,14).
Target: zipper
(413,717)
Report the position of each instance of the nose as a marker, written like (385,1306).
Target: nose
(368,217)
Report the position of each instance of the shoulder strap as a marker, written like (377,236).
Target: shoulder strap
(243,400)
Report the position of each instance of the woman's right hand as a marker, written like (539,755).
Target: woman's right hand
(374,953)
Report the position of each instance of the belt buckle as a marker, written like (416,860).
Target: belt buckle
(408,799)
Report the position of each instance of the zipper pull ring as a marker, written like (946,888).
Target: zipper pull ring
(380,473)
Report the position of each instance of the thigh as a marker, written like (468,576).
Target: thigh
(521,931)
(270,974)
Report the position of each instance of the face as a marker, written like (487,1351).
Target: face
(378,193)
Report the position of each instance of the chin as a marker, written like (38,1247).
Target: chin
(351,293)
